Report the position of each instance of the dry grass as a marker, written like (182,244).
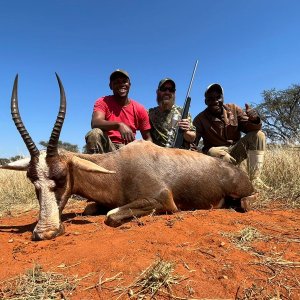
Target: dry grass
(16,193)
(243,239)
(276,260)
(157,278)
(36,284)
(256,292)
(281,171)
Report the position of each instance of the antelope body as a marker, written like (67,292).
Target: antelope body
(136,180)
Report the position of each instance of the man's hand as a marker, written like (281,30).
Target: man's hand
(251,113)
(184,124)
(126,132)
(227,157)
(195,148)
(188,135)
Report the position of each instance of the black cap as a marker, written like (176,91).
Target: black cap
(163,81)
(117,73)
(214,87)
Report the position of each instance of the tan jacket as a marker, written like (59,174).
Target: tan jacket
(226,131)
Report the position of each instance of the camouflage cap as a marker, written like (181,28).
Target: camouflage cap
(214,87)
(118,72)
(163,81)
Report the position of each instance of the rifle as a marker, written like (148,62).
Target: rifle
(178,142)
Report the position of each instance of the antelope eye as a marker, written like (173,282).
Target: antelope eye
(59,181)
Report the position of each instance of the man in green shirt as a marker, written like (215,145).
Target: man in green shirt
(165,117)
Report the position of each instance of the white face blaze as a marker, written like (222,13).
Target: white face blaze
(49,220)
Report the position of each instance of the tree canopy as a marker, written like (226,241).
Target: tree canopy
(4,161)
(64,145)
(280,113)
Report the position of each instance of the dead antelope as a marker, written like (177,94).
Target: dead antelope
(133,181)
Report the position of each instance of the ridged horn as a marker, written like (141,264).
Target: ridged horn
(33,150)
(53,141)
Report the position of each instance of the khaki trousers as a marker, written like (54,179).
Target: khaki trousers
(254,140)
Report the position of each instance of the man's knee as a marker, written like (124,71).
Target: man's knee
(257,140)
(93,134)
(93,141)
(98,142)
(261,135)
(256,134)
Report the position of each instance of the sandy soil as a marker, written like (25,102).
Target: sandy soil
(198,243)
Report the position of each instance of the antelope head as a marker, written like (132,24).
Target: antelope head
(47,170)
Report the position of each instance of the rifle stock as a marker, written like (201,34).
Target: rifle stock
(178,142)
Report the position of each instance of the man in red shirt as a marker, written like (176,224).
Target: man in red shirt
(116,118)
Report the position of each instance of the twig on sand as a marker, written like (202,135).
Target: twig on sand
(100,283)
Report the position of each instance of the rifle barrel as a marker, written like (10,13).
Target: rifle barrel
(192,79)
(178,141)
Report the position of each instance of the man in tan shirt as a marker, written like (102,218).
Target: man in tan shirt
(221,126)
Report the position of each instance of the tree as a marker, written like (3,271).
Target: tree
(280,113)
(15,158)
(63,145)
(4,161)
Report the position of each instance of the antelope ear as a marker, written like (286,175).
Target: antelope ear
(89,166)
(18,165)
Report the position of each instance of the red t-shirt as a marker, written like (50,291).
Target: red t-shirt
(133,115)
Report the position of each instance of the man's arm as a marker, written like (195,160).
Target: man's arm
(188,129)
(252,114)
(248,121)
(98,121)
(189,136)
(144,123)
(197,126)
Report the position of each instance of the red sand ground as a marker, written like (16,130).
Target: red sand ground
(213,266)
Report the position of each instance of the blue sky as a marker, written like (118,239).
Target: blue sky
(247,46)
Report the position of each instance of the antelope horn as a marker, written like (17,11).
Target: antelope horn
(53,141)
(33,150)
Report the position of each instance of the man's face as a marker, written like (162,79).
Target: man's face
(120,86)
(166,96)
(214,101)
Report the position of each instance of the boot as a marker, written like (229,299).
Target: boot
(255,165)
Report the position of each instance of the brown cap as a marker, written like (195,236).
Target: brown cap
(214,87)
(117,73)
(163,81)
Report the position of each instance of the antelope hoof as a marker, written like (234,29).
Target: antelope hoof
(112,221)
(48,234)
(246,202)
